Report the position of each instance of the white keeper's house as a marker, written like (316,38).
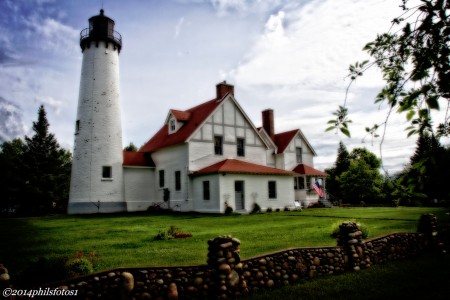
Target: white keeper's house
(201,159)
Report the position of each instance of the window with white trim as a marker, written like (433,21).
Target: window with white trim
(106,172)
(206,192)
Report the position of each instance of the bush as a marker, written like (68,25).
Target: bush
(277,210)
(172,233)
(286,208)
(228,210)
(363,227)
(269,209)
(256,208)
(79,266)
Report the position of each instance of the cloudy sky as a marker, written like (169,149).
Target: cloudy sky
(289,55)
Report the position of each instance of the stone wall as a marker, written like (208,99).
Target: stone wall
(226,276)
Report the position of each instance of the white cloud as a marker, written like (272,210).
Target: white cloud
(178,27)
(11,124)
(55,36)
(50,102)
(243,7)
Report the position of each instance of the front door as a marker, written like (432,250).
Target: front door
(239,195)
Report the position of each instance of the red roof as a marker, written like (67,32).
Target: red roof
(131,158)
(241,167)
(307,170)
(283,139)
(195,117)
(180,115)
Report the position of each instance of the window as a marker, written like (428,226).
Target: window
(272,189)
(240,147)
(218,145)
(172,125)
(206,195)
(77,126)
(106,172)
(299,183)
(161,178)
(298,152)
(177,180)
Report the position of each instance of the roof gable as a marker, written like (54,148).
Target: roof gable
(236,166)
(282,140)
(195,117)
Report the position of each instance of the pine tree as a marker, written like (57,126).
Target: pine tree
(340,166)
(11,175)
(47,170)
(427,173)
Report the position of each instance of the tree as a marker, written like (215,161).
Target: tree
(131,147)
(340,166)
(414,60)
(362,180)
(428,169)
(11,174)
(46,170)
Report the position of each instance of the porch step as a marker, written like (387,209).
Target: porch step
(325,203)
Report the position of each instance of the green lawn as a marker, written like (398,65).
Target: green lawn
(127,240)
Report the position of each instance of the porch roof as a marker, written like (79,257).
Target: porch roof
(241,167)
(304,169)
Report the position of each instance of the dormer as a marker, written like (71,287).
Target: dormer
(176,119)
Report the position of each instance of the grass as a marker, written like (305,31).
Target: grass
(421,278)
(125,240)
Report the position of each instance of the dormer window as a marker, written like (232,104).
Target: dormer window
(172,125)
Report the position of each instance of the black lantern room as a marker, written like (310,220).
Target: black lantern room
(101,28)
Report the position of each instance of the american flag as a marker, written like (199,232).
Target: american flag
(318,190)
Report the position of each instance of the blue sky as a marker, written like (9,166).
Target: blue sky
(289,55)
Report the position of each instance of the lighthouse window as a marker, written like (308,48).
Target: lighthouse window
(77,126)
(106,172)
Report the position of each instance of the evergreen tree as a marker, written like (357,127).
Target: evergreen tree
(47,170)
(340,166)
(11,174)
(427,173)
(131,148)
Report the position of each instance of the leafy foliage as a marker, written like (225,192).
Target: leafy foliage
(341,122)
(414,60)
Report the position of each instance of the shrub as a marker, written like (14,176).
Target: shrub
(161,236)
(335,228)
(228,210)
(79,266)
(269,209)
(277,210)
(172,233)
(286,208)
(256,208)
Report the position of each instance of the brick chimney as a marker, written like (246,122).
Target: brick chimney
(224,88)
(267,123)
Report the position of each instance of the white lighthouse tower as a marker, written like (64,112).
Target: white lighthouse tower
(97,175)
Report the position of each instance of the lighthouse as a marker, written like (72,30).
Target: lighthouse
(96,184)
